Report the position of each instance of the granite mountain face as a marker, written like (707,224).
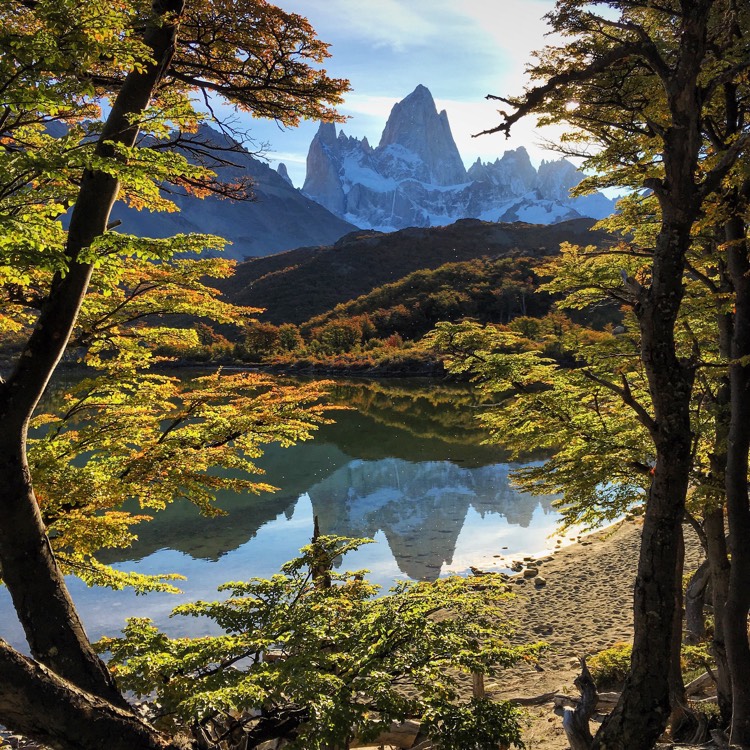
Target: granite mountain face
(415,177)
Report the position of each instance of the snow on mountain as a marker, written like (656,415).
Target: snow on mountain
(278,218)
(418,143)
(415,177)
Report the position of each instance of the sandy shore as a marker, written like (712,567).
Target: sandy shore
(585,606)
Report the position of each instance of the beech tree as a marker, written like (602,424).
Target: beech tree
(123,79)
(642,83)
(587,408)
(341,658)
(730,219)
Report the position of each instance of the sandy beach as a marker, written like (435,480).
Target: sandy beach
(585,606)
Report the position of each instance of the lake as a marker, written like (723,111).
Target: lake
(405,466)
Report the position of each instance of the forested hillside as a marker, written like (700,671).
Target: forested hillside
(300,284)
(488,290)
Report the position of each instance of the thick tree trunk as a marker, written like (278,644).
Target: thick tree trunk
(35,583)
(643,711)
(738,503)
(51,624)
(42,706)
(644,707)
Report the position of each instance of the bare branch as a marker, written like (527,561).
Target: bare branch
(533,98)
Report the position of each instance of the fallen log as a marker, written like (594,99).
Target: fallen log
(709,699)
(534,700)
(605,701)
(401,735)
(698,684)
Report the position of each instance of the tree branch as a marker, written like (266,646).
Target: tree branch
(627,397)
(533,98)
(40,705)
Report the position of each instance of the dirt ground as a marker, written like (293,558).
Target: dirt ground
(585,606)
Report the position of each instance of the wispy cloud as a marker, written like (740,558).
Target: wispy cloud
(288,158)
(392,24)
(373,106)
(460,49)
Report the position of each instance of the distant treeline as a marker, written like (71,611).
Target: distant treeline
(488,290)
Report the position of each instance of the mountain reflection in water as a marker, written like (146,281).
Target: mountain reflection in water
(420,507)
(405,466)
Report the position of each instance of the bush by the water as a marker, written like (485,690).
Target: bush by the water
(319,644)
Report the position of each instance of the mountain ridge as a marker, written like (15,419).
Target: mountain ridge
(298,284)
(415,177)
(279,217)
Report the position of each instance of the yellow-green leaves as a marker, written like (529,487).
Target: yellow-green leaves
(335,652)
(155,439)
(569,409)
(62,65)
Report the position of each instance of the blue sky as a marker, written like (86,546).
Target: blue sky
(460,49)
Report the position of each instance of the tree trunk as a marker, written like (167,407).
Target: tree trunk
(642,713)
(644,707)
(34,581)
(41,600)
(713,516)
(695,600)
(738,503)
(40,705)
(718,561)
(680,716)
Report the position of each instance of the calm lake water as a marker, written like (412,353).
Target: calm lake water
(405,467)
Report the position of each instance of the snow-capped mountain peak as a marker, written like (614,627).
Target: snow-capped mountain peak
(415,129)
(415,177)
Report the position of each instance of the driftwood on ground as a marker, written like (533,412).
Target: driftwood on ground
(535,700)
(401,735)
(699,684)
(576,721)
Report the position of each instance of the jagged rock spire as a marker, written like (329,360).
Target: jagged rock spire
(415,177)
(415,125)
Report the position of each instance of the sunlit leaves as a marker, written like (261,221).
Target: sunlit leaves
(55,48)
(599,453)
(154,439)
(588,407)
(265,60)
(62,65)
(354,663)
(127,434)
